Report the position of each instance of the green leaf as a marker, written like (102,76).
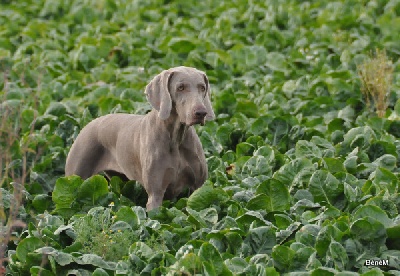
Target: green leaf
(97,261)
(325,271)
(276,61)
(325,237)
(65,193)
(60,257)
(386,180)
(260,125)
(244,149)
(308,150)
(99,272)
(369,229)
(181,45)
(26,246)
(259,240)
(283,257)
(334,165)
(297,170)
(205,197)
(37,270)
(92,189)
(374,212)
(126,214)
(338,255)
(308,234)
(247,107)
(208,253)
(325,187)
(236,264)
(205,218)
(42,202)
(386,161)
(393,256)
(397,107)
(57,109)
(302,256)
(142,250)
(359,137)
(272,196)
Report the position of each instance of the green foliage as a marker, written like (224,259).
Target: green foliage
(103,234)
(303,178)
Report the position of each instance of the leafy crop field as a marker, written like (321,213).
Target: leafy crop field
(304,176)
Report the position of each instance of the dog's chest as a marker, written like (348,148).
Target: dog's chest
(186,163)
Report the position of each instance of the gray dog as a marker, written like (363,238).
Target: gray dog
(161,149)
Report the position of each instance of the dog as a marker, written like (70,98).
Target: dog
(161,149)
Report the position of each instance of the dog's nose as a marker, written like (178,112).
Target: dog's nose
(200,113)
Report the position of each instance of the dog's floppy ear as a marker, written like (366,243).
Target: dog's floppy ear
(207,100)
(157,93)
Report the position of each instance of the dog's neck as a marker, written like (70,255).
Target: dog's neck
(176,129)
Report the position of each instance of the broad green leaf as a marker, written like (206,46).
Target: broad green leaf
(369,229)
(338,255)
(384,203)
(236,264)
(65,193)
(99,272)
(326,271)
(276,61)
(386,161)
(326,236)
(283,257)
(92,189)
(126,214)
(97,261)
(260,125)
(372,211)
(38,270)
(282,220)
(393,232)
(308,150)
(42,202)
(272,196)
(244,149)
(247,107)
(296,170)
(301,257)
(191,262)
(359,137)
(205,197)
(245,221)
(393,256)
(61,258)
(325,187)
(259,240)
(257,165)
(205,218)
(208,253)
(141,249)
(181,45)
(27,246)
(374,272)
(57,109)
(307,235)
(384,177)
(334,165)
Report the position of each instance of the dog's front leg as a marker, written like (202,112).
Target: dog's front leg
(157,184)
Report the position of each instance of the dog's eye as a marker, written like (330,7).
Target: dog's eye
(181,87)
(202,88)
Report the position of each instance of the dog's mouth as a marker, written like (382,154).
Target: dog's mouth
(197,121)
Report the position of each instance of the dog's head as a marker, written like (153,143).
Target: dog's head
(184,90)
